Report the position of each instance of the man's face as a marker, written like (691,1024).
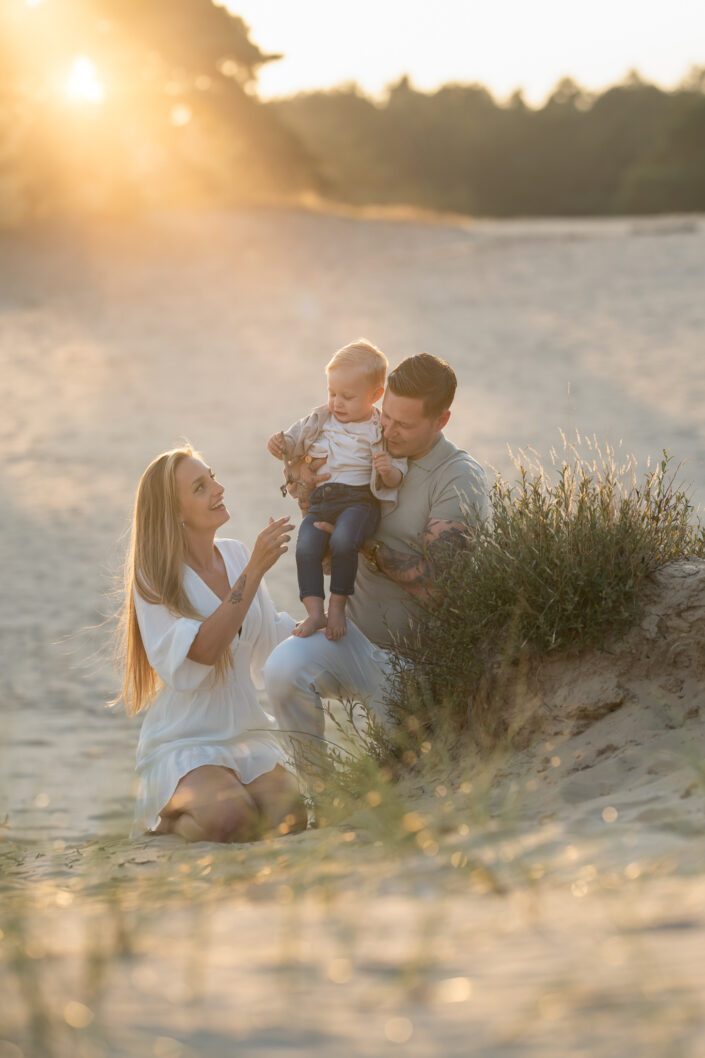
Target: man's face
(409,433)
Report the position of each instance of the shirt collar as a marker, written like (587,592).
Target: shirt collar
(435,456)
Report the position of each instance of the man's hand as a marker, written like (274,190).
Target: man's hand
(366,547)
(306,478)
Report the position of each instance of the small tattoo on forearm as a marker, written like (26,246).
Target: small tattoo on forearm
(239,590)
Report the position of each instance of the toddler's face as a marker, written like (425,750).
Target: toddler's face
(350,395)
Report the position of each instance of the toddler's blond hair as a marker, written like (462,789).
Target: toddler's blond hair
(364,355)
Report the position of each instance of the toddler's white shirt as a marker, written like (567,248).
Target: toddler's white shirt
(348,447)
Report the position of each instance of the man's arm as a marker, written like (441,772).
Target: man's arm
(415,573)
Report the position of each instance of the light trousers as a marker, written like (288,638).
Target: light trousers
(299,673)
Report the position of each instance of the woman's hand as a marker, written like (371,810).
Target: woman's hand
(271,543)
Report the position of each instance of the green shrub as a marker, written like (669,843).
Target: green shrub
(558,566)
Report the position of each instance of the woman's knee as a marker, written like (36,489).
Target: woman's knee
(279,800)
(229,821)
(211,804)
(294,819)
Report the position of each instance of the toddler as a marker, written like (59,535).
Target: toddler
(363,476)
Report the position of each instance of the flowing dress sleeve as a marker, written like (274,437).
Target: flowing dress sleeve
(167,640)
(275,628)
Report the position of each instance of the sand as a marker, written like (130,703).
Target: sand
(558,908)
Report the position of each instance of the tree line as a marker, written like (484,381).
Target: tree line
(633,148)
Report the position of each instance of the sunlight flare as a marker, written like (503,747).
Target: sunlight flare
(83,85)
(180,115)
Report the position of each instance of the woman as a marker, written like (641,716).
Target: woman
(197,619)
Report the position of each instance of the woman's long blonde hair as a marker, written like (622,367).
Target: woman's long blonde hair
(154,568)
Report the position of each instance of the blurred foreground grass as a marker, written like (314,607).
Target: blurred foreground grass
(445,908)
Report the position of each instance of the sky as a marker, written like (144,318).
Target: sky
(503,44)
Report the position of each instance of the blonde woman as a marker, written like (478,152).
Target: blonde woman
(198,625)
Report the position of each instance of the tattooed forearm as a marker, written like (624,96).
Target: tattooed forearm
(239,590)
(398,562)
(416,572)
(411,571)
(444,538)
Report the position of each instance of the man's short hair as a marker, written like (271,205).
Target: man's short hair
(427,378)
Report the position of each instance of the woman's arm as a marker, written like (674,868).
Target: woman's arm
(218,631)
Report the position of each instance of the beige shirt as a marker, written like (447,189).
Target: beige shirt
(439,485)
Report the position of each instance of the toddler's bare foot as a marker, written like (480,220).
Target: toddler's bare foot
(337,625)
(310,625)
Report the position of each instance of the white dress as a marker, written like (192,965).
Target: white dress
(196,720)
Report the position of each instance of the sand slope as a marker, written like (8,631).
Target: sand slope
(617,734)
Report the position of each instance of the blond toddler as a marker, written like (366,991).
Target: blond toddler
(347,432)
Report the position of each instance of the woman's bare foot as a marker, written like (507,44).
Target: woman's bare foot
(337,625)
(310,625)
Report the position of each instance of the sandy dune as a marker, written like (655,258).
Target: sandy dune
(540,925)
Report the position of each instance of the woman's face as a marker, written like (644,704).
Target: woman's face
(200,496)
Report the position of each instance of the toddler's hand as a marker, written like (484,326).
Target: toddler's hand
(274,445)
(383,462)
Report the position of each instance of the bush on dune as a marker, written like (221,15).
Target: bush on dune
(558,566)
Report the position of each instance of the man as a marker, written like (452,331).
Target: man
(443,489)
